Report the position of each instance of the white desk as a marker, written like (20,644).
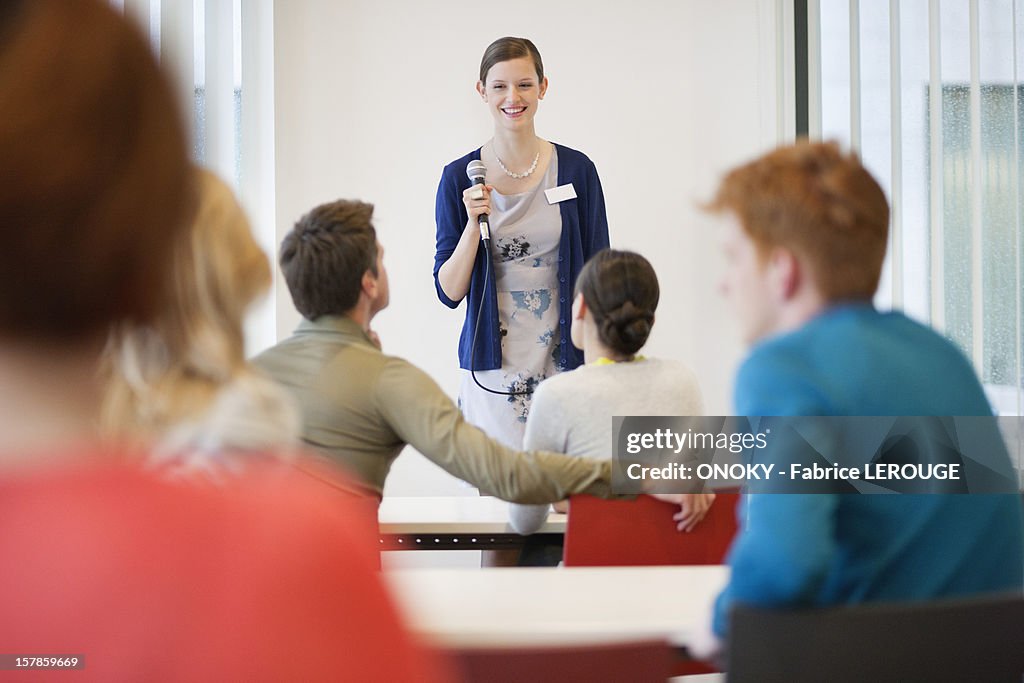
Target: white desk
(529,606)
(452,523)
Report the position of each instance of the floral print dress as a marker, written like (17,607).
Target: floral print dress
(525,233)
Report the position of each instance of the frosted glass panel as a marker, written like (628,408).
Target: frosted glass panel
(950,154)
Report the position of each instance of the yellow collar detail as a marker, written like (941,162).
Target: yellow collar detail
(604,360)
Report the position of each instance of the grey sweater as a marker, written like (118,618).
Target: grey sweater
(572,412)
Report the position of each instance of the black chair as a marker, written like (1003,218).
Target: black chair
(978,639)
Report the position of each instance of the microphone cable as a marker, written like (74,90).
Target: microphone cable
(476,327)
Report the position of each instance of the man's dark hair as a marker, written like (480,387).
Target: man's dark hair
(325,256)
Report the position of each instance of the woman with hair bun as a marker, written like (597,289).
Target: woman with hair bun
(612,316)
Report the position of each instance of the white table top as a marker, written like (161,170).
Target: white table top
(558,605)
(452,515)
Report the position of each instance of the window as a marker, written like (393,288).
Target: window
(929,92)
(220,56)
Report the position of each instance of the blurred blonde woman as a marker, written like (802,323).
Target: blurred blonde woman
(182,383)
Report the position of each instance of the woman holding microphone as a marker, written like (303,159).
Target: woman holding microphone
(547,217)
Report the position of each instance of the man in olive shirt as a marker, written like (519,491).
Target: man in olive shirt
(361,407)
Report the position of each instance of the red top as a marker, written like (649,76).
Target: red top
(270,578)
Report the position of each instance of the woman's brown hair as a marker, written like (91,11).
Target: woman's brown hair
(504,49)
(621,291)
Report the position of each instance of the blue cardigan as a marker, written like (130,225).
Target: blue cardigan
(584,233)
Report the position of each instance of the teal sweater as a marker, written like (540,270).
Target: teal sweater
(822,549)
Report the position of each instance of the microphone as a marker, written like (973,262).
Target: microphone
(477,172)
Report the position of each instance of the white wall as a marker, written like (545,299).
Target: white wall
(373,98)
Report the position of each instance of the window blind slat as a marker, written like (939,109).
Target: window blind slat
(896,140)
(785,70)
(936,271)
(220,89)
(139,10)
(1018,97)
(855,94)
(257,153)
(814,69)
(977,281)
(177,50)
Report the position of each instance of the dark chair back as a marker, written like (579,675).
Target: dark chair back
(978,639)
(639,662)
(641,532)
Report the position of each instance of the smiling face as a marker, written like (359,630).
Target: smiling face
(512,91)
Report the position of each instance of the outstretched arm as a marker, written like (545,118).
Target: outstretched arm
(423,416)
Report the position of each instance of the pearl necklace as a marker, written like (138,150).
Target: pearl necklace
(511,174)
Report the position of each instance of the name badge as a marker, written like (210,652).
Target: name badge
(560,194)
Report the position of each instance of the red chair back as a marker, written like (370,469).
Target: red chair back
(641,532)
(640,662)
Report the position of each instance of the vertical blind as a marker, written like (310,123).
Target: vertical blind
(219,54)
(929,93)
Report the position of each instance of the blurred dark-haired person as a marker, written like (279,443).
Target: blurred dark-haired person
(805,236)
(360,406)
(105,566)
(612,316)
(547,217)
